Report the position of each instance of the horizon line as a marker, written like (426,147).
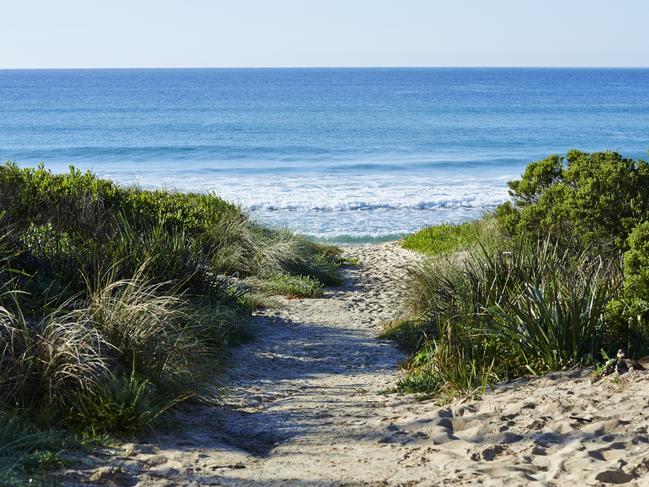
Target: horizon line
(320,67)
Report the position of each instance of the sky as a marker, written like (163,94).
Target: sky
(318,33)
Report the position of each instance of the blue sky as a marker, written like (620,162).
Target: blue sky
(204,33)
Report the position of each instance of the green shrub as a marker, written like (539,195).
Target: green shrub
(629,315)
(585,201)
(75,224)
(636,263)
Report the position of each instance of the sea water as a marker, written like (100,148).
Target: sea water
(347,155)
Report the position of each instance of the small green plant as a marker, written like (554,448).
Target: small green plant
(123,405)
(291,286)
(26,453)
(447,238)
(454,365)
(410,334)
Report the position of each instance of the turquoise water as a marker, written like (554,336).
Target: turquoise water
(340,154)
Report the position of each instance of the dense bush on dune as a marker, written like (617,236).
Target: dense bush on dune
(116,302)
(559,280)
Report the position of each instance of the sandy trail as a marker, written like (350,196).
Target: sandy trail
(305,408)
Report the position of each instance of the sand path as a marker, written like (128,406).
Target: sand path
(305,408)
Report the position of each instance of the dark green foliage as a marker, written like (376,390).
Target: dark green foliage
(76,226)
(26,452)
(629,315)
(585,201)
(549,293)
(636,263)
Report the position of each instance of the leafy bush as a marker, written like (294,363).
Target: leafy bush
(74,225)
(583,201)
(628,316)
(546,292)
(636,263)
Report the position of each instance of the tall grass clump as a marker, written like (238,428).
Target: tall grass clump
(501,314)
(558,277)
(154,333)
(47,364)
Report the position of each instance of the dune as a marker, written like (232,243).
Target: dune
(306,406)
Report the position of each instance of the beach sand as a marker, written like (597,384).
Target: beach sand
(305,406)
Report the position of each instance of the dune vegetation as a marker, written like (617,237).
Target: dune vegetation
(117,303)
(555,278)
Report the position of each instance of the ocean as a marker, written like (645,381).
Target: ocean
(344,155)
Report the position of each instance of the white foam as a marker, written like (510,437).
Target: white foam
(331,205)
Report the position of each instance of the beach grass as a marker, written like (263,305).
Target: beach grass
(447,238)
(117,303)
(537,286)
(289,286)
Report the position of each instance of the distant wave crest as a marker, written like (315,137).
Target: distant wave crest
(369,206)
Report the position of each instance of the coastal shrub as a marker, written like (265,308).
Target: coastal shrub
(75,224)
(628,316)
(636,263)
(546,289)
(583,201)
